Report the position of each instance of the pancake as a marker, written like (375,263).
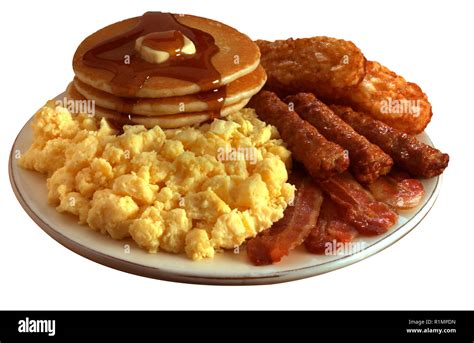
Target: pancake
(237,56)
(172,121)
(166,122)
(242,88)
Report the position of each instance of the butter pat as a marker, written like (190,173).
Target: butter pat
(159,47)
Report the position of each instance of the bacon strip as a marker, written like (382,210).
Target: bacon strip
(398,189)
(330,228)
(369,216)
(293,228)
(321,157)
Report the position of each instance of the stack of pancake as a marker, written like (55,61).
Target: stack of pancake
(163,98)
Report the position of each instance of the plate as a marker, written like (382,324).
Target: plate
(228,268)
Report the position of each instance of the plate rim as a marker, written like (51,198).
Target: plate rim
(168,275)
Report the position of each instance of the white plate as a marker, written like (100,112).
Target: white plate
(226,268)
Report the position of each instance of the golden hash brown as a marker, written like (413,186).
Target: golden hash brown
(337,72)
(317,64)
(388,97)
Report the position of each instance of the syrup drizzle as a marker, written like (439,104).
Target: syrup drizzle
(129,78)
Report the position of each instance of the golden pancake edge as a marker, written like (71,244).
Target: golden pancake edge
(238,90)
(238,55)
(167,122)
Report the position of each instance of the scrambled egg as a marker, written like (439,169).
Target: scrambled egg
(196,190)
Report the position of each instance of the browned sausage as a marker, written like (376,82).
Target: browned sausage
(368,161)
(409,153)
(321,158)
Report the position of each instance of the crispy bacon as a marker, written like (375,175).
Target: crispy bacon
(331,227)
(398,189)
(293,228)
(369,216)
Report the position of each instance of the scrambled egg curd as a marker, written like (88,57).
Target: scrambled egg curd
(196,190)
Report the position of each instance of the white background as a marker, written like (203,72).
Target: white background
(429,43)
